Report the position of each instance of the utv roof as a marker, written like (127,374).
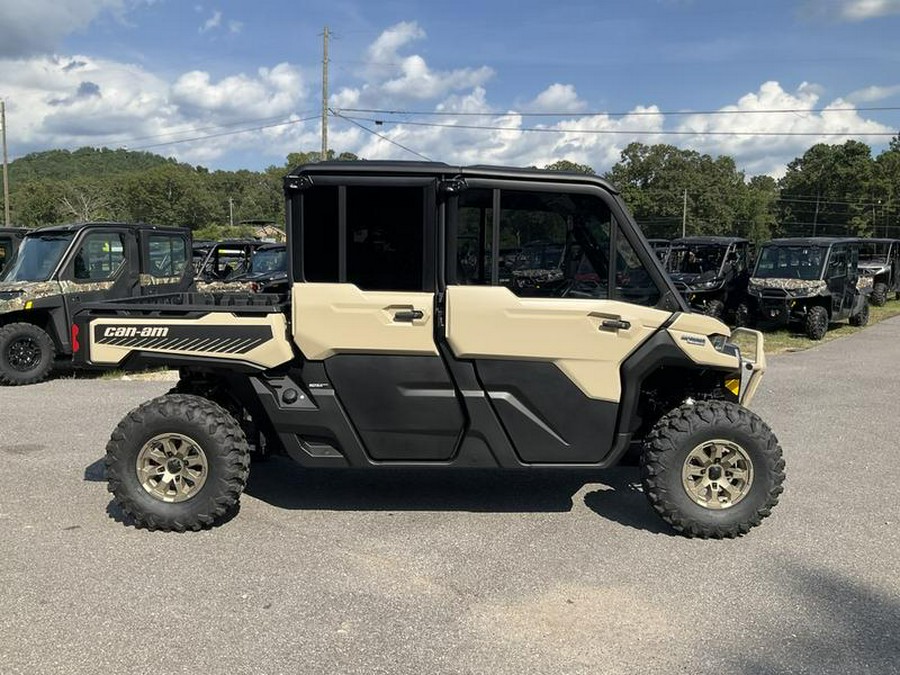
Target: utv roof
(237,242)
(811,241)
(14,230)
(722,241)
(442,170)
(75,227)
(874,240)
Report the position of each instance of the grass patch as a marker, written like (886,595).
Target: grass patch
(793,340)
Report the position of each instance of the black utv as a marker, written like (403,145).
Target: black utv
(267,271)
(225,261)
(811,281)
(10,238)
(58,269)
(880,259)
(712,274)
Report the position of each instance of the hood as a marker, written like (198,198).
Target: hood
(14,294)
(794,286)
(873,268)
(691,279)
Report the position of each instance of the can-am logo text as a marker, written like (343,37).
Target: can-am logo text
(135,331)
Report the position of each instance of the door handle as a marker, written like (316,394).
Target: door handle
(617,324)
(408,315)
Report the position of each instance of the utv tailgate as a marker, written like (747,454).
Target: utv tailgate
(245,332)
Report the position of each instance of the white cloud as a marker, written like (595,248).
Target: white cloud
(38,26)
(235,26)
(850,10)
(557,98)
(873,94)
(212,22)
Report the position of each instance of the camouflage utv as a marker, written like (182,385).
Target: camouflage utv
(880,260)
(58,269)
(225,264)
(812,282)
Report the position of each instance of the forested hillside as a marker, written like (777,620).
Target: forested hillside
(830,189)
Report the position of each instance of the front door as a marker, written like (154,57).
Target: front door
(164,262)
(836,275)
(102,265)
(364,305)
(549,296)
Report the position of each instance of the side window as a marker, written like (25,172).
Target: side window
(167,255)
(100,256)
(385,238)
(475,218)
(321,228)
(5,248)
(837,265)
(633,282)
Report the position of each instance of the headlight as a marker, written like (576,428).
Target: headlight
(706,285)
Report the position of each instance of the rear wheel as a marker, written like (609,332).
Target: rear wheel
(816,324)
(178,462)
(742,315)
(861,318)
(879,295)
(26,354)
(712,469)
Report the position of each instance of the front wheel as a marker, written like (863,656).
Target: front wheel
(861,318)
(712,469)
(715,309)
(26,354)
(816,324)
(878,296)
(178,462)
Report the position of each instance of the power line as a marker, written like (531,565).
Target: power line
(195,130)
(633,113)
(622,132)
(226,133)
(382,137)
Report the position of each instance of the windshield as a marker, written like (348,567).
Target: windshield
(791,262)
(38,256)
(695,258)
(269,260)
(872,252)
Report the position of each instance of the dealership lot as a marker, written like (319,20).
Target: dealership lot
(413,572)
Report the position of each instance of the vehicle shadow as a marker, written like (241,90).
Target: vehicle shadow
(286,485)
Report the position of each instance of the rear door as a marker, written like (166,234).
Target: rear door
(363,303)
(548,319)
(837,278)
(165,260)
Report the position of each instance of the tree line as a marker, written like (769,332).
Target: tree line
(839,189)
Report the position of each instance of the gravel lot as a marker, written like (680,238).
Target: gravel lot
(348,572)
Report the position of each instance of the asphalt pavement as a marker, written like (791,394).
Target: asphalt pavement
(438,572)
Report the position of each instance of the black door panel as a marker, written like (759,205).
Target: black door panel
(547,417)
(404,408)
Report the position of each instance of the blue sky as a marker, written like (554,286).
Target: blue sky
(144,73)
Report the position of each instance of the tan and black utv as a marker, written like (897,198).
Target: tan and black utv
(444,317)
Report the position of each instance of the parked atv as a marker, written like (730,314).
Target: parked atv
(58,269)
(880,260)
(10,238)
(812,282)
(712,274)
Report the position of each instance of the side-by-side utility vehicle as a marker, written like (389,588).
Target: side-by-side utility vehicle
(880,260)
(712,274)
(813,281)
(10,238)
(58,269)
(404,344)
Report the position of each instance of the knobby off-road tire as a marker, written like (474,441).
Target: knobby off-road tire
(878,296)
(861,318)
(816,324)
(678,475)
(742,316)
(178,462)
(26,354)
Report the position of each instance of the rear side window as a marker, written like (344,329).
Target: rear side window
(5,251)
(100,256)
(374,241)
(167,255)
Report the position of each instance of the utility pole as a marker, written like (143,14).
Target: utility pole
(684,215)
(325,95)
(816,215)
(231,211)
(5,165)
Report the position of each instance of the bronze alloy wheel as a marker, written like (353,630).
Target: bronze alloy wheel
(172,467)
(717,474)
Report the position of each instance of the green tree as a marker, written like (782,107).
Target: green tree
(566,165)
